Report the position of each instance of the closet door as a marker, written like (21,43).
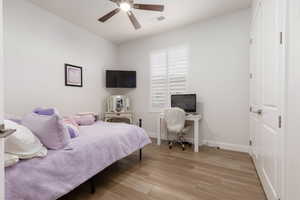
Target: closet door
(271,100)
(266,95)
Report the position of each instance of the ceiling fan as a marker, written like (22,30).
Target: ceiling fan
(127,6)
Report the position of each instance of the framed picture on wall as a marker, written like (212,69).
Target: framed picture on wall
(73,75)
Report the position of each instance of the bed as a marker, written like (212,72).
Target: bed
(61,171)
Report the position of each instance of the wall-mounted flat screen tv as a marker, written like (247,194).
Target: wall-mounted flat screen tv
(120,79)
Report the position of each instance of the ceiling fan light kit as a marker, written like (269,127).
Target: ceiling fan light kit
(127,6)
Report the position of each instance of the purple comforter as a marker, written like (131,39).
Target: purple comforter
(97,147)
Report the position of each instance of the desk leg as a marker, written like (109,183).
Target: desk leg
(196,136)
(159,131)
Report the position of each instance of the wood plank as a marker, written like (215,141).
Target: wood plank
(173,174)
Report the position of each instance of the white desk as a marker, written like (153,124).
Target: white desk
(194,118)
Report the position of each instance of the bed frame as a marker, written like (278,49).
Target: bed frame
(92,180)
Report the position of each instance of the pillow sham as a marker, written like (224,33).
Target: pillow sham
(23,143)
(85,120)
(10,160)
(50,129)
(70,120)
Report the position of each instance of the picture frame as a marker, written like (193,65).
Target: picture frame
(73,76)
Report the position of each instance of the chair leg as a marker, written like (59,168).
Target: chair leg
(170,144)
(181,142)
(183,147)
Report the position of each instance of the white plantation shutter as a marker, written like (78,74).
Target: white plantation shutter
(169,70)
(177,70)
(159,79)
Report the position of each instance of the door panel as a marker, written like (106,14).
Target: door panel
(270,53)
(269,163)
(265,95)
(270,103)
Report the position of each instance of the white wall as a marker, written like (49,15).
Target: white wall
(292,162)
(37,45)
(219,72)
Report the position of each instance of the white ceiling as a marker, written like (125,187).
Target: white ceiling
(118,29)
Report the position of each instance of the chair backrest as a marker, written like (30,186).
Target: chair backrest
(175,119)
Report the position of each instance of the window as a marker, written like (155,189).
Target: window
(169,70)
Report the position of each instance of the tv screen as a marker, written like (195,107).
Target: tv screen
(120,79)
(187,102)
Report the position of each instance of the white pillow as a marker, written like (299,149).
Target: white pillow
(23,143)
(10,160)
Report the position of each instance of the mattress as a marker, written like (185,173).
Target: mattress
(97,147)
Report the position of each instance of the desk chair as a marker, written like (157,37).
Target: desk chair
(175,121)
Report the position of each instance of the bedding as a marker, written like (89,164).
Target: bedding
(23,143)
(10,160)
(50,129)
(97,147)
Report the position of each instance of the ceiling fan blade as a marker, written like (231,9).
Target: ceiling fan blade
(133,20)
(149,7)
(109,15)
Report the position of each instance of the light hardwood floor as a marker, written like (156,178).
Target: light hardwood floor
(173,174)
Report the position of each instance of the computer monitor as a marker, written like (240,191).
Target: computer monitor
(187,102)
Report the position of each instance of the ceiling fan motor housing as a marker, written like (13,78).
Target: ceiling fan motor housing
(130,2)
(127,6)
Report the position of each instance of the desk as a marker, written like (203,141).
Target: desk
(194,118)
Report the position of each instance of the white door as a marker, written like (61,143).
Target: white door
(266,95)
(1,105)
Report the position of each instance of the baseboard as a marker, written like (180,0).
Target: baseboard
(227,146)
(221,145)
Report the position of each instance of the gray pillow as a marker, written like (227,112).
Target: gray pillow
(50,129)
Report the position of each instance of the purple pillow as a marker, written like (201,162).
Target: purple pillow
(72,132)
(45,111)
(50,129)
